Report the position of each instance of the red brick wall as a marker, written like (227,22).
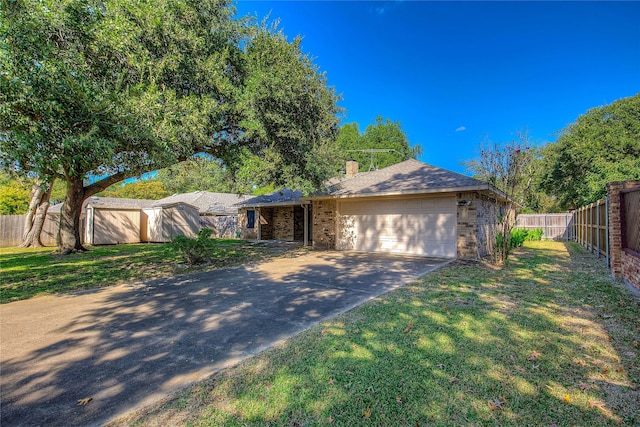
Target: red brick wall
(631,268)
(624,264)
(283,223)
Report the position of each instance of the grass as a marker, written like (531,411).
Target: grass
(549,341)
(25,273)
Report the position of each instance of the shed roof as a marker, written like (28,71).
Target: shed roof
(408,177)
(109,203)
(207,202)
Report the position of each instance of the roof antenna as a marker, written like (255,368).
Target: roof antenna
(371,152)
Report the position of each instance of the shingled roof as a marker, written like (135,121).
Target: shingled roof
(109,202)
(207,202)
(408,177)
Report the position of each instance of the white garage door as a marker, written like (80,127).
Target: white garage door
(416,226)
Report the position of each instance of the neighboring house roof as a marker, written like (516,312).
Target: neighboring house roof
(109,203)
(408,177)
(207,202)
(282,197)
(115,203)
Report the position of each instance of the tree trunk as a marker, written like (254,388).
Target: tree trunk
(69,231)
(36,196)
(35,220)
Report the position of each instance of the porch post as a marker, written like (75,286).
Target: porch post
(306,224)
(258,216)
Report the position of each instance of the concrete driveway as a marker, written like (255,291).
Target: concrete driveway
(128,346)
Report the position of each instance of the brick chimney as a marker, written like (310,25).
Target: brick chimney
(352,168)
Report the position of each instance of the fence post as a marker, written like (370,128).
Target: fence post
(590,230)
(585,231)
(606,214)
(583,241)
(576,226)
(598,230)
(546,228)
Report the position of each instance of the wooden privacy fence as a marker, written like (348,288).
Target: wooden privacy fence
(11,230)
(555,226)
(591,227)
(587,226)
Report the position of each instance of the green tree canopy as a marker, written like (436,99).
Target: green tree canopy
(248,174)
(94,92)
(201,173)
(150,189)
(14,195)
(382,134)
(268,170)
(601,146)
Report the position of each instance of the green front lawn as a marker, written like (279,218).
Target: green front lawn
(551,340)
(25,273)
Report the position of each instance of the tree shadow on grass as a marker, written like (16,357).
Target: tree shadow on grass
(131,345)
(527,345)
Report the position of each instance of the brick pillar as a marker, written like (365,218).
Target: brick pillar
(615,224)
(324,223)
(467,245)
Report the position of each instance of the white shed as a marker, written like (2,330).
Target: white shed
(111,221)
(162,222)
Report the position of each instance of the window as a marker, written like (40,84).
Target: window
(251,218)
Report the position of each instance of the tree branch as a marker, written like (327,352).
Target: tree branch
(104,183)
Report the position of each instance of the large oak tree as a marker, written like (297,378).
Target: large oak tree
(601,146)
(94,92)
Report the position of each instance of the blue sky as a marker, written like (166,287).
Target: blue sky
(455,73)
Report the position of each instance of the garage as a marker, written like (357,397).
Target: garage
(423,226)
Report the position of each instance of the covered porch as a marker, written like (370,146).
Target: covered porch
(264,218)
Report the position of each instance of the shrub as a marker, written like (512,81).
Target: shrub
(194,251)
(534,235)
(518,236)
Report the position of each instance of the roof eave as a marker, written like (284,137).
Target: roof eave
(170,205)
(439,190)
(274,204)
(120,208)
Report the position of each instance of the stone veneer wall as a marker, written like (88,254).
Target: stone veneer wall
(283,223)
(476,225)
(266,223)
(324,224)
(625,263)
(264,215)
(246,233)
(487,218)
(467,241)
